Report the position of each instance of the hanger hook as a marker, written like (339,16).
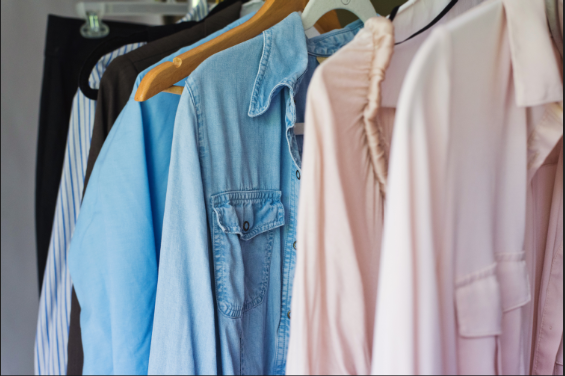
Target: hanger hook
(94,27)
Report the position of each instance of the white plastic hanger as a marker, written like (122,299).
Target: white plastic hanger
(317,8)
(94,11)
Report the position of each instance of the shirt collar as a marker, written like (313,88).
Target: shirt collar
(285,58)
(535,65)
(536,72)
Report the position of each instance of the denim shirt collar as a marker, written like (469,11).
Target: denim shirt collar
(285,58)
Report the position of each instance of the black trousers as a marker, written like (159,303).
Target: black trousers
(65,52)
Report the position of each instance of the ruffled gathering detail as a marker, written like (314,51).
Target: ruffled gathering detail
(382,31)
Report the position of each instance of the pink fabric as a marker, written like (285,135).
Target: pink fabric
(412,17)
(559,364)
(341,209)
(474,184)
(332,329)
(547,208)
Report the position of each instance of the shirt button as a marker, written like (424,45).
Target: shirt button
(298,174)
(288,315)
(294,245)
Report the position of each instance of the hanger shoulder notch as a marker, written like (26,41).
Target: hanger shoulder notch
(168,74)
(317,8)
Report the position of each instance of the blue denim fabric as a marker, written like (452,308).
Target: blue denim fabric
(227,256)
(113,257)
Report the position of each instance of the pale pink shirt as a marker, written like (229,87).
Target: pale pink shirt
(341,209)
(471,273)
(343,187)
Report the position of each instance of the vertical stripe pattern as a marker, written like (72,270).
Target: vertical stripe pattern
(198,12)
(55,301)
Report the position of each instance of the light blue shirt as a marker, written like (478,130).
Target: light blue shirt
(228,250)
(113,257)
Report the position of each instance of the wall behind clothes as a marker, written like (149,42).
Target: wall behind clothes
(23,29)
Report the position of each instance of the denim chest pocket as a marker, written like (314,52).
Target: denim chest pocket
(244,227)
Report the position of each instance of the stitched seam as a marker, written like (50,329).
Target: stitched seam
(544,316)
(251,199)
(286,261)
(474,277)
(224,307)
(465,333)
(290,137)
(519,305)
(266,227)
(188,88)
(511,257)
(237,196)
(540,340)
(250,235)
(241,367)
(270,98)
(542,326)
(236,228)
(219,221)
(262,69)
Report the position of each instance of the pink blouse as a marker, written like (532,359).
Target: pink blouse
(347,144)
(471,277)
(341,208)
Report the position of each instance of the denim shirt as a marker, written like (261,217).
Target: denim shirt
(228,248)
(114,252)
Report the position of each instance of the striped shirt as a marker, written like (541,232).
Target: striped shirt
(198,12)
(50,357)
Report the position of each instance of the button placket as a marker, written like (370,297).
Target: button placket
(288,270)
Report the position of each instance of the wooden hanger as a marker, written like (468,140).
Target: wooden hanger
(167,74)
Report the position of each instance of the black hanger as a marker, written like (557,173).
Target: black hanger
(150,34)
(393,14)
(435,21)
(110,45)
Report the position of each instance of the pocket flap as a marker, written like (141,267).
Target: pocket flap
(514,281)
(249,213)
(478,303)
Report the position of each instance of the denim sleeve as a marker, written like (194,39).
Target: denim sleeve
(184,340)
